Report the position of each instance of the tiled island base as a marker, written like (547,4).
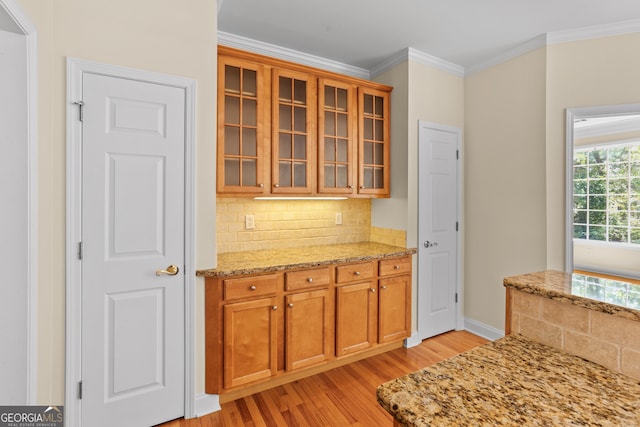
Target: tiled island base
(513,382)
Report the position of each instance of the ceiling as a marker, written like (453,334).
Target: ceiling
(364,33)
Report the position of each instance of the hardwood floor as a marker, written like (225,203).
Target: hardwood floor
(345,396)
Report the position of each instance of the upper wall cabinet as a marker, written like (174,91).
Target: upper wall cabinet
(288,129)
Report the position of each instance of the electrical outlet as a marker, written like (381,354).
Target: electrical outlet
(249,222)
(338,218)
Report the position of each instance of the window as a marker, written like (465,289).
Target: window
(606,193)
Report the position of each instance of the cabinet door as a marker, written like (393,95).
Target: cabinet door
(336,137)
(309,326)
(293,140)
(250,341)
(373,142)
(394,310)
(356,308)
(241,124)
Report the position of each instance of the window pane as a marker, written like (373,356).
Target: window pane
(329,123)
(598,202)
(635,235)
(300,120)
(368,153)
(249,175)
(597,233)
(618,186)
(285,117)
(620,154)
(300,147)
(618,203)
(329,176)
(284,89)
(329,97)
(368,128)
(379,111)
(378,178)
(599,218)
(299,174)
(580,202)
(618,170)
(231,79)
(231,140)
(634,169)
(341,177)
(379,130)
(284,147)
(343,155)
(597,156)
(368,105)
(619,219)
(368,177)
(634,153)
(249,83)
(232,110)
(379,154)
(580,217)
(300,91)
(579,231)
(579,172)
(232,172)
(249,112)
(329,149)
(597,171)
(284,174)
(580,158)
(249,142)
(635,186)
(634,219)
(342,100)
(617,234)
(342,128)
(580,187)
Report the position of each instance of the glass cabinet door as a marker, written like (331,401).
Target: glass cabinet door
(336,134)
(373,145)
(293,123)
(240,127)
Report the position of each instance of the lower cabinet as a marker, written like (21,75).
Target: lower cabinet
(250,341)
(271,328)
(309,329)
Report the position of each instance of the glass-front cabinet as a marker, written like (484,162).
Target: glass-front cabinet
(293,141)
(241,121)
(373,144)
(336,140)
(285,129)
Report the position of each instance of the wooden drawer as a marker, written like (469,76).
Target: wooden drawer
(303,279)
(354,272)
(391,267)
(247,287)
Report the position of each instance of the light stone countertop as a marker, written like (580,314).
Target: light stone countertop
(513,382)
(608,296)
(264,261)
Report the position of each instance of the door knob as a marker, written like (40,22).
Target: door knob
(428,244)
(172,270)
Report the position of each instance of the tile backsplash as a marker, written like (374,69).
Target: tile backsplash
(290,223)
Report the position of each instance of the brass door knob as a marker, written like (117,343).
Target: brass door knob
(172,270)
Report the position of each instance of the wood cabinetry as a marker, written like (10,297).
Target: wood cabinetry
(267,329)
(288,129)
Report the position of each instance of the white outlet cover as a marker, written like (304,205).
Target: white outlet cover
(338,218)
(249,222)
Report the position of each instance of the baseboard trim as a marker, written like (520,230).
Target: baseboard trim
(207,404)
(412,341)
(482,329)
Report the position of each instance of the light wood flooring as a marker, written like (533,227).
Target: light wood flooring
(345,396)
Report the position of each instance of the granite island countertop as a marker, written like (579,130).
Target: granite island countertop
(608,296)
(513,382)
(264,261)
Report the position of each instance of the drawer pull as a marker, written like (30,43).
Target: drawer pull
(373,290)
(252,288)
(310,279)
(383,287)
(357,273)
(290,305)
(396,267)
(275,307)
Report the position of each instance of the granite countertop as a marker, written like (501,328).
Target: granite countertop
(513,382)
(608,296)
(264,261)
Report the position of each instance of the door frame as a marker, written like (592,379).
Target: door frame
(23,24)
(422,302)
(76,68)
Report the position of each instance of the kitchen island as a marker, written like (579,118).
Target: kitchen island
(513,381)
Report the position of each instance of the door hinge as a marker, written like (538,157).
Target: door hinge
(456,297)
(457,154)
(80,390)
(80,104)
(79,250)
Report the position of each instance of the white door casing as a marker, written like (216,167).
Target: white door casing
(130,331)
(439,284)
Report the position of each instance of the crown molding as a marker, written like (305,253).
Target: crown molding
(594,32)
(262,48)
(419,57)
(526,47)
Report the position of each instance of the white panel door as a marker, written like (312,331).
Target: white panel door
(437,229)
(132,232)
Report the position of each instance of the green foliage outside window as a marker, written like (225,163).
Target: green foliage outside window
(606,193)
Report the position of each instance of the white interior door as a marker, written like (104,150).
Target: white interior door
(437,228)
(133,177)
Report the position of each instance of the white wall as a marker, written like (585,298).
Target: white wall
(166,37)
(14,217)
(504,181)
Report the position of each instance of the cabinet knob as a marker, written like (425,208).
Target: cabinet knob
(351,186)
(357,273)
(362,186)
(310,279)
(276,185)
(252,288)
(261,185)
(275,307)
(290,304)
(373,290)
(396,267)
(383,287)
